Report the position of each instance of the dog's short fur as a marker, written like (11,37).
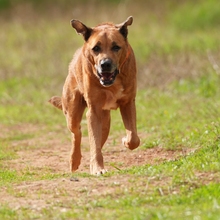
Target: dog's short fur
(102,76)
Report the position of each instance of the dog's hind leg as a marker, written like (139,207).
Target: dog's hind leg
(73,108)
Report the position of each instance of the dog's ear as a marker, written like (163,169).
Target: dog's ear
(81,29)
(123,26)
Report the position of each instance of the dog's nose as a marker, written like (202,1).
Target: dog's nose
(106,64)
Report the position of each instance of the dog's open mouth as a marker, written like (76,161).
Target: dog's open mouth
(106,78)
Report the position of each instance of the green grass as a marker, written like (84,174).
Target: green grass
(206,16)
(178,109)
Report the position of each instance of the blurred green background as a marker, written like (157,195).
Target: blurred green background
(176,44)
(171,39)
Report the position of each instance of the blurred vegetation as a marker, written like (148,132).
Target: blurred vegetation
(176,44)
(171,39)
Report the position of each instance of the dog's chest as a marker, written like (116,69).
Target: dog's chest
(112,98)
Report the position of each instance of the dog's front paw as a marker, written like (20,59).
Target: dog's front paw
(100,172)
(97,170)
(132,143)
(74,164)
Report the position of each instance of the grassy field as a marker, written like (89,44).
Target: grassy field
(175,173)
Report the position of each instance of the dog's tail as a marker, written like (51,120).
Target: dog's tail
(56,101)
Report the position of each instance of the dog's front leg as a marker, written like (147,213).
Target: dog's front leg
(94,121)
(128,112)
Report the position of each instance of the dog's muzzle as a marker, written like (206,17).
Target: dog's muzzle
(107,72)
(106,78)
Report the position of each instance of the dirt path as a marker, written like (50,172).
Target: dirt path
(43,193)
(56,156)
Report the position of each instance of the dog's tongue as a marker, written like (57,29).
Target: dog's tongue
(106,75)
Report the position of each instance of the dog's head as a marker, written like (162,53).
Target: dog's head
(105,47)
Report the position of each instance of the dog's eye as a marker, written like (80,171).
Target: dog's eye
(116,48)
(96,49)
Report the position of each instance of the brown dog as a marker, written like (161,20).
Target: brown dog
(102,76)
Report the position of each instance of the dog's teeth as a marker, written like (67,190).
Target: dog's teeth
(101,82)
